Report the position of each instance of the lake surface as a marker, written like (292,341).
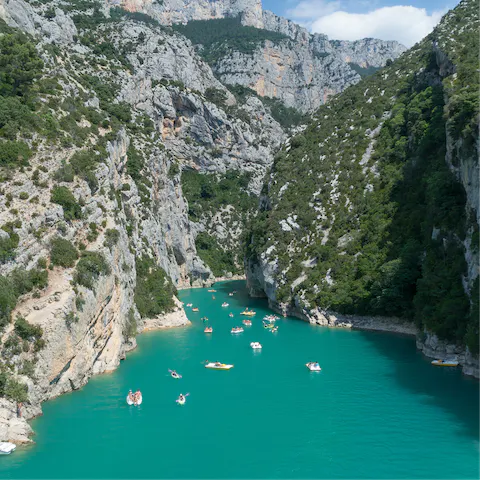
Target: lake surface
(378,409)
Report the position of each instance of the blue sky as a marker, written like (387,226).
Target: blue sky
(404,21)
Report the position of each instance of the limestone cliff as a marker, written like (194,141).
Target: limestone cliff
(120,108)
(303,70)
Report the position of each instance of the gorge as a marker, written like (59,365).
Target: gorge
(144,150)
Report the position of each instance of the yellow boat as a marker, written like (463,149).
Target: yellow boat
(218,366)
(248,313)
(195,310)
(445,363)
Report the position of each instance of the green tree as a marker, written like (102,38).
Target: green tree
(20,64)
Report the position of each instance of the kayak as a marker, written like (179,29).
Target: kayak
(181,402)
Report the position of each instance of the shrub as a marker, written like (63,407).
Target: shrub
(8,300)
(13,153)
(89,268)
(111,237)
(16,391)
(154,291)
(130,328)
(63,253)
(26,330)
(23,196)
(64,174)
(20,64)
(64,197)
(25,281)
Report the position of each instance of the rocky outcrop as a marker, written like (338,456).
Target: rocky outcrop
(176,318)
(182,11)
(302,72)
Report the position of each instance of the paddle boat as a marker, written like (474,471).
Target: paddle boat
(6,448)
(313,366)
(174,374)
(445,363)
(218,366)
(208,330)
(248,323)
(256,345)
(195,309)
(248,313)
(270,318)
(212,291)
(237,330)
(134,398)
(189,305)
(182,399)
(225,304)
(230,315)
(230,294)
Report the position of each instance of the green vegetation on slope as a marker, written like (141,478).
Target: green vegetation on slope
(154,291)
(364,204)
(225,195)
(220,37)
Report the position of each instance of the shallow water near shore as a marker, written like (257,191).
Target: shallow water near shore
(378,409)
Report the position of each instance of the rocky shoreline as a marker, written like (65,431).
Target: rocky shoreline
(208,283)
(17,430)
(430,345)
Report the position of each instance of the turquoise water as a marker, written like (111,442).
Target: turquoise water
(378,409)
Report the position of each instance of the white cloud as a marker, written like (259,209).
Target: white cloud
(311,9)
(406,24)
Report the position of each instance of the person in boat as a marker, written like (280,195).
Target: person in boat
(130,396)
(181,397)
(218,364)
(137,396)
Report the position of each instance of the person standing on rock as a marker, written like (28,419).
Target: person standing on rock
(19,409)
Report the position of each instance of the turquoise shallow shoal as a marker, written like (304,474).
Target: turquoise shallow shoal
(378,409)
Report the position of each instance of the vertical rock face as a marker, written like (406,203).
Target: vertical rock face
(303,71)
(182,11)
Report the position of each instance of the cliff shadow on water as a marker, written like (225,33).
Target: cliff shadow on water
(438,386)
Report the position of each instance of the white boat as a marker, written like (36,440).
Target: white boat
(6,448)
(270,318)
(218,366)
(138,402)
(256,345)
(313,366)
(230,315)
(225,304)
(189,304)
(445,363)
(237,330)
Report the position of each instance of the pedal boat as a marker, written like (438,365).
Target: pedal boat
(313,366)
(218,366)
(445,363)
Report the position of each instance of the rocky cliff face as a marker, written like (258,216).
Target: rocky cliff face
(303,71)
(182,11)
(342,227)
(134,105)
